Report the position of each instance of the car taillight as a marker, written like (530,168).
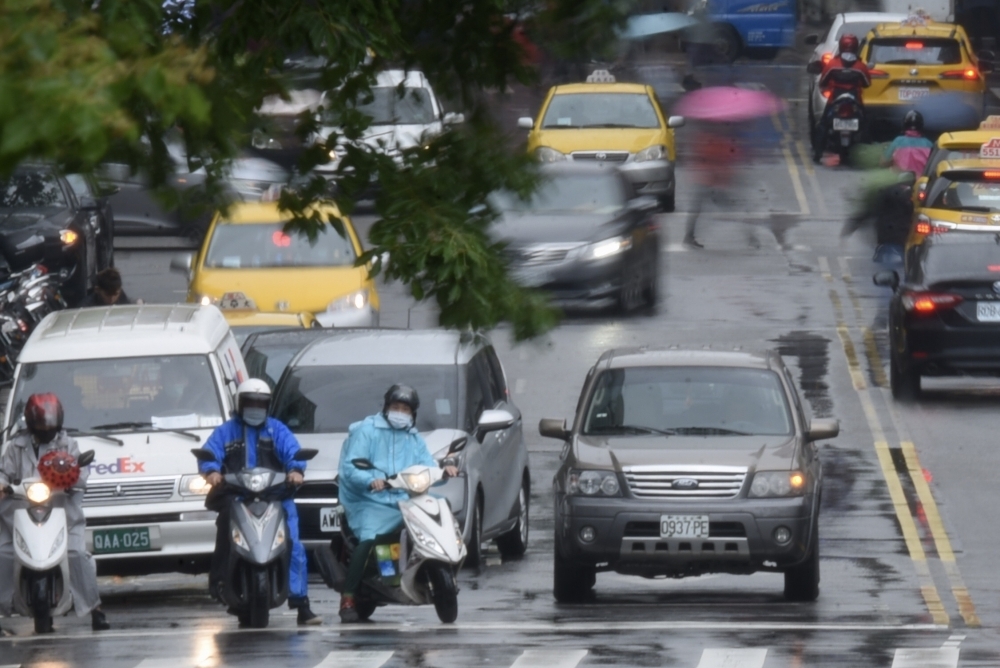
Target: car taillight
(922,194)
(914,45)
(969,74)
(991,175)
(827,93)
(845,111)
(878,74)
(827,57)
(926,226)
(929,302)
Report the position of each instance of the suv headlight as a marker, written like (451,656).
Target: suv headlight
(777,483)
(593,483)
(194,485)
(658,152)
(354,301)
(607,248)
(546,154)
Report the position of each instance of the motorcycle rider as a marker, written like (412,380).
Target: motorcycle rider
(250,438)
(391,442)
(43,416)
(844,73)
(909,151)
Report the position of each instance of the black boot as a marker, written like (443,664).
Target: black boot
(98,621)
(306,616)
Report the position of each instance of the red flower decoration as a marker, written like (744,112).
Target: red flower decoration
(59,469)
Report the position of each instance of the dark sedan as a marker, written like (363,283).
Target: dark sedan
(584,237)
(688,462)
(944,318)
(44,219)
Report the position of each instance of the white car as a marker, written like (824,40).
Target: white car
(854,23)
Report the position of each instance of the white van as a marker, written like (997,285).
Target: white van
(141,386)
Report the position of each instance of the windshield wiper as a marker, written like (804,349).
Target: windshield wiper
(139,425)
(106,437)
(637,429)
(720,431)
(186,434)
(609,125)
(977,209)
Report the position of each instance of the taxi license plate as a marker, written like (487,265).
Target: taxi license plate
(684,526)
(845,124)
(913,93)
(111,541)
(236,301)
(988,311)
(329,520)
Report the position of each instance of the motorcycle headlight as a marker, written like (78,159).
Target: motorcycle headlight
(58,542)
(593,483)
(256,482)
(239,540)
(38,492)
(279,538)
(354,301)
(777,484)
(21,544)
(417,482)
(546,154)
(607,248)
(658,152)
(194,485)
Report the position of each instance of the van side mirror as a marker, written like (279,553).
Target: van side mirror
(820,430)
(86,458)
(204,456)
(305,454)
(886,279)
(553,428)
(181,262)
(815,67)
(362,464)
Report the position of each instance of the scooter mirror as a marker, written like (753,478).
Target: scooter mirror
(815,67)
(86,458)
(458,445)
(305,454)
(362,464)
(203,455)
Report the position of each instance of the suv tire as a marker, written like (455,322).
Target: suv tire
(571,581)
(802,581)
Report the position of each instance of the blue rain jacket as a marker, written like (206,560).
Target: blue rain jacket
(286,446)
(371,513)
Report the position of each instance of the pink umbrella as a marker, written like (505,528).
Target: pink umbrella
(728,103)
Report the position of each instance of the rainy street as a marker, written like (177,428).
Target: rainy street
(907,545)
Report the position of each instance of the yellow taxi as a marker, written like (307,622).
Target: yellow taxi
(954,146)
(915,58)
(964,197)
(248,262)
(603,120)
(245,323)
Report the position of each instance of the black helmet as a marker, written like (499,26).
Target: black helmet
(403,394)
(913,120)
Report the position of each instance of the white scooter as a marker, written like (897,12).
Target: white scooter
(41,551)
(421,568)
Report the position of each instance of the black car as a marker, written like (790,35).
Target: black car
(584,237)
(944,318)
(44,218)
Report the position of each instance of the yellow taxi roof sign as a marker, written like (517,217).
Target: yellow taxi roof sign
(601,76)
(990,149)
(990,123)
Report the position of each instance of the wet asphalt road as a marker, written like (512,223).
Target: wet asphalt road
(907,546)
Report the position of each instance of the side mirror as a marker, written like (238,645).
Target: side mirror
(886,279)
(676,121)
(451,118)
(815,67)
(458,445)
(86,458)
(181,262)
(526,122)
(204,456)
(642,203)
(362,464)
(109,189)
(553,428)
(820,430)
(305,454)
(494,420)
(811,39)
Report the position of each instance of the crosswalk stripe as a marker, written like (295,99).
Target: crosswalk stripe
(549,658)
(733,658)
(347,659)
(938,657)
(165,663)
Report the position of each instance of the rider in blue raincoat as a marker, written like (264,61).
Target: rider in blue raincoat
(391,442)
(250,439)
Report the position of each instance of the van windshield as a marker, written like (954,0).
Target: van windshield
(122,394)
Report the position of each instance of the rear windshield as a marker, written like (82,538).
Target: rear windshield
(267,245)
(914,51)
(710,401)
(859,29)
(939,155)
(601,110)
(122,394)
(948,261)
(975,197)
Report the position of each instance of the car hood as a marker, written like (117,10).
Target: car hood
(521,229)
(391,137)
(632,140)
(294,288)
(40,219)
(326,463)
(754,452)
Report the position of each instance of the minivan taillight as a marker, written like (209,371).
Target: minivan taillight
(926,303)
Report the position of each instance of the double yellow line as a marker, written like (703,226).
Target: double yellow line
(911,535)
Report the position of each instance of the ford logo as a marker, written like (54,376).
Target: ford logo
(684,483)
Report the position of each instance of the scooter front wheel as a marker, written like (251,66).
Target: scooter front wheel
(260,598)
(444,591)
(40,605)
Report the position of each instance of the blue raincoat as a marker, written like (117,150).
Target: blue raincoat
(371,513)
(286,446)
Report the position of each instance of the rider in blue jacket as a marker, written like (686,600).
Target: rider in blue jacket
(391,442)
(250,439)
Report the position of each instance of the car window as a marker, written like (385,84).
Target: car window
(939,155)
(958,261)
(498,387)
(390,106)
(267,245)
(477,398)
(688,401)
(31,188)
(914,51)
(80,186)
(601,110)
(980,196)
(579,193)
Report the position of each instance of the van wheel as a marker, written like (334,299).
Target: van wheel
(514,543)
(571,582)
(40,605)
(802,581)
(474,558)
(727,43)
(260,599)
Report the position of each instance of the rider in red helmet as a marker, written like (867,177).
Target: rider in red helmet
(844,73)
(44,434)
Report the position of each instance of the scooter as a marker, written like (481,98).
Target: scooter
(260,550)
(421,568)
(41,551)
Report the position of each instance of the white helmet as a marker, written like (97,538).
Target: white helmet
(253,399)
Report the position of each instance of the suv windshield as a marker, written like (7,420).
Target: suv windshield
(329,399)
(981,197)
(389,107)
(31,188)
(601,110)
(579,193)
(696,401)
(914,51)
(266,245)
(121,394)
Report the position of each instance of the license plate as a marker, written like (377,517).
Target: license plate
(237,301)
(684,526)
(913,93)
(329,520)
(988,311)
(845,124)
(110,541)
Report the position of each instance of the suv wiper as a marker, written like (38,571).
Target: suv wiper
(106,437)
(122,425)
(720,431)
(636,429)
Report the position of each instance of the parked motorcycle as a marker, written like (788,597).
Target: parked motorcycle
(419,569)
(41,550)
(257,573)
(26,297)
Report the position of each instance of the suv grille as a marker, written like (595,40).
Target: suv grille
(678,482)
(132,491)
(608,156)
(541,254)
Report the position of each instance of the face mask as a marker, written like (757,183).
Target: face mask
(254,417)
(399,419)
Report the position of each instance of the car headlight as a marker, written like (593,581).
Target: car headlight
(417,482)
(607,248)
(68,237)
(546,154)
(38,492)
(593,483)
(658,152)
(356,300)
(777,483)
(194,485)
(206,300)
(256,482)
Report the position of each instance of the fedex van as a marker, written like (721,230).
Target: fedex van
(141,386)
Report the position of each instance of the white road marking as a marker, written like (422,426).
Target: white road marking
(824,267)
(944,657)
(549,658)
(348,659)
(953,641)
(733,658)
